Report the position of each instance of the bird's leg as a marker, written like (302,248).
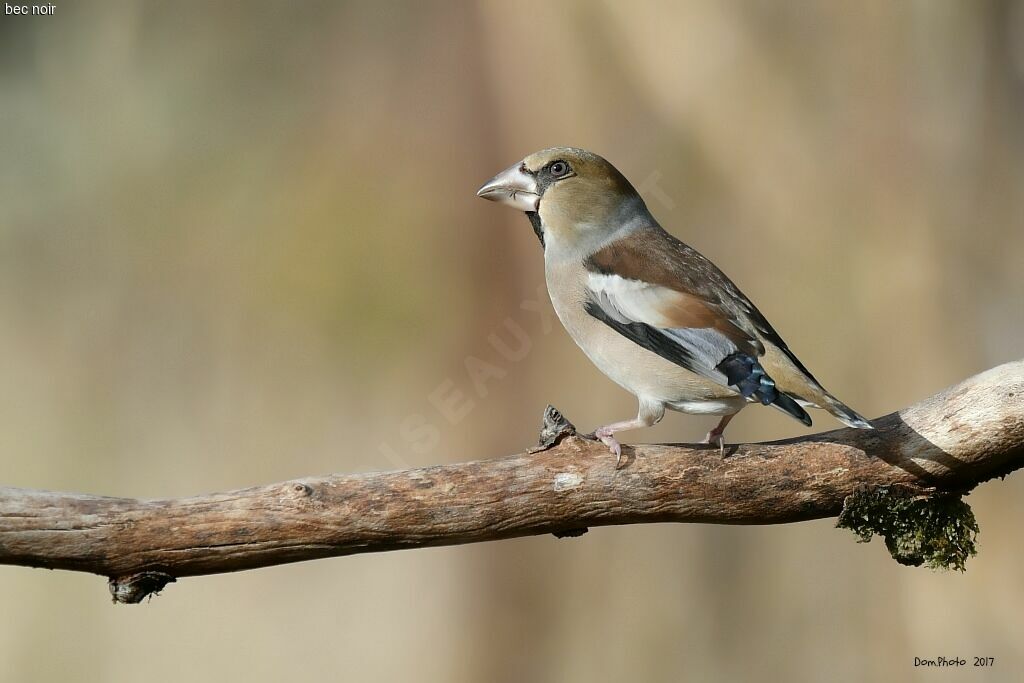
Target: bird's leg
(650,414)
(717,435)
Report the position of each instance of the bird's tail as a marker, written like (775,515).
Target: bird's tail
(748,376)
(845,414)
(794,380)
(839,410)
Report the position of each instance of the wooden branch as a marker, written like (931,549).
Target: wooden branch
(948,443)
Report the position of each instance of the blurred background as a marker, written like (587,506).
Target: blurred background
(239,243)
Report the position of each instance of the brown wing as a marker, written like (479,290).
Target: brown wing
(655,256)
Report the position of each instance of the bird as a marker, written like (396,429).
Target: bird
(652,313)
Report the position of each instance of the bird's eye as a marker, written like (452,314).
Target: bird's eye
(559,169)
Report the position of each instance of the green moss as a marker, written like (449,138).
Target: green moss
(938,531)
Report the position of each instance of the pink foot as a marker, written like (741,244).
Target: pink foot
(716,436)
(605,437)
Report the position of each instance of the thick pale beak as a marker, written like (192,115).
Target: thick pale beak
(514,186)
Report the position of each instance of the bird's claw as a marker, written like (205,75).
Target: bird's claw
(718,438)
(613,445)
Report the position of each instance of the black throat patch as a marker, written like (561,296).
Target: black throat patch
(535,222)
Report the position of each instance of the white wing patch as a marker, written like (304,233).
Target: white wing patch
(633,301)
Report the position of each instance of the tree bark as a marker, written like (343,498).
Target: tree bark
(947,443)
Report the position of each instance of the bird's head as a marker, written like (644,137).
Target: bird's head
(575,195)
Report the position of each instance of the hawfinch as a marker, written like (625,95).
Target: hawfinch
(650,312)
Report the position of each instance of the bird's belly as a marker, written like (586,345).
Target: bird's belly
(634,368)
